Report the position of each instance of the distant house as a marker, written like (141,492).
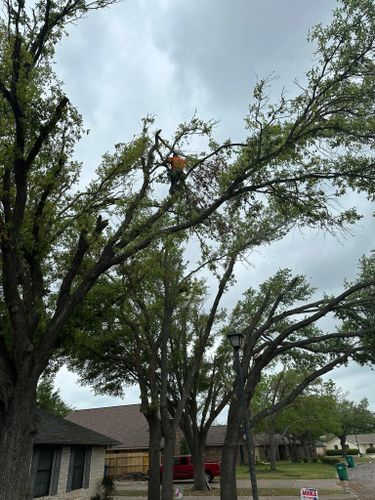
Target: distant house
(68,460)
(215,442)
(320,448)
(357,441)
(127,425)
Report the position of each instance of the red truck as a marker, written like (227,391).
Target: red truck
(183,468)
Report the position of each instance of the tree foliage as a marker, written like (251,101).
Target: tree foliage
(49,399)
(353,418)
(58,239)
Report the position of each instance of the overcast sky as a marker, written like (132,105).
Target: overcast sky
(171,58)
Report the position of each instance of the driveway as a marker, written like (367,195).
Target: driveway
(362,481)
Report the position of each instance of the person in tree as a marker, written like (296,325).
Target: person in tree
(176,172)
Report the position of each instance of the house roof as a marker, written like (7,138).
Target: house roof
(353,438)
(362,438)
(216,435)
(125,423)
(263,439)
(319,443)
(128,426)
(57,430)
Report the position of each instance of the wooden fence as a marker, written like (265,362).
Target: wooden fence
(123,463)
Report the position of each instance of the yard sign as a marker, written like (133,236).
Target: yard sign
(309,494)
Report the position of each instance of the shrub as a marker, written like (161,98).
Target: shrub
(352,451)
(305,460)
(109,489)
(314,460)
(370,450)
(184,447)
(330,460)
(333,453)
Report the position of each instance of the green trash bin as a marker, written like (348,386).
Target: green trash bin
(341,471)
(350,461)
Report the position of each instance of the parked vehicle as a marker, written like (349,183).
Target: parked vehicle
(183,468)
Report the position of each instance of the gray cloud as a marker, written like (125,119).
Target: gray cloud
(171,58)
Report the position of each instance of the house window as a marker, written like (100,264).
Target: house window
(371,445)
(43,472)
(78,468)
(336,447)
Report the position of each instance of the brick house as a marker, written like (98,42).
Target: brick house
(215,441)
(68,460)
(128,426)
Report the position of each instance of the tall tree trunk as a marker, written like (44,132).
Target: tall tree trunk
(154,458)
(273,450)
(196,438)
(228,487)
(294,449)
(242,455)
(197,453)
(313,449)
(306,449)
(288,440)
(18,425)
(167,482)
(252,468)
(270,429)
(343,445)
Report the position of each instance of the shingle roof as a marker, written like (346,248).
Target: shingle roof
(362,438)
(125,423)
(263,439)
(57,430)
(216,435)
(128,426)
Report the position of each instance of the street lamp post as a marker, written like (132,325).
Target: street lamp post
(236,342)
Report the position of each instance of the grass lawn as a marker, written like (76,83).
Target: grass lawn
(287,470)
(364,460)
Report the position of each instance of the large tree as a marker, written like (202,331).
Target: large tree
(150,312)
(305,419)
(57,241)
(362,314)
(207,398)
(278,321)
(353,418)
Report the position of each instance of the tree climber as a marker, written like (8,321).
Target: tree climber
(176,172)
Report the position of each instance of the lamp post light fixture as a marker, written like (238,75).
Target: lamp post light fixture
(236,342)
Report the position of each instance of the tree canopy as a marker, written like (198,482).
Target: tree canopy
(49,399)
(352,418)
(58,238)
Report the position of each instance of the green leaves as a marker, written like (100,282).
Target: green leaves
(353,418)
(50,400)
